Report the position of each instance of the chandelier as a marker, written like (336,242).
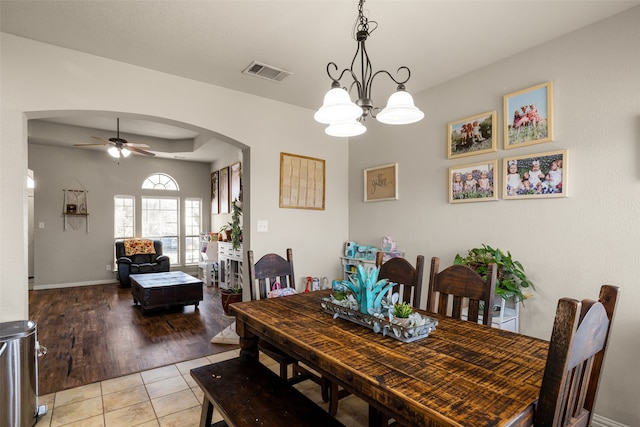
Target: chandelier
(116,152)
(346,118)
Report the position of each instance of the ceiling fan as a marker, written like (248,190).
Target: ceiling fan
(119,147)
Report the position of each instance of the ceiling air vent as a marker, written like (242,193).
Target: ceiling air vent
(267,72)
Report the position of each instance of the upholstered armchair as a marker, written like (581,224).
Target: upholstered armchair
(137,256)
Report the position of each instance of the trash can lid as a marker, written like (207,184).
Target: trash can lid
(16,329)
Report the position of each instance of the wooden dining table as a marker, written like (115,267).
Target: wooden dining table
(461,374)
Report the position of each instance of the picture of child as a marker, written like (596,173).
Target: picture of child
(483,182)
(514,182)
(537,176)
(470,184)
(457,184)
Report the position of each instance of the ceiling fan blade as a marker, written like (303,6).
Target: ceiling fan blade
(137,150)
(136,144)
(106,141)
(89,145)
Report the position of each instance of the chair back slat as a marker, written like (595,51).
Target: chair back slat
(408,278)
(269,269)
(458,287)
(576,353)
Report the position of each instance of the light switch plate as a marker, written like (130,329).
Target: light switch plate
(263,226)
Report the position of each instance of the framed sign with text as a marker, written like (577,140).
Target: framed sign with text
(381,183)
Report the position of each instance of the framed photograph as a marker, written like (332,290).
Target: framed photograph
(214,193)
(381,183)
(528,116)
(236,182)
(477,182)
(535,176)
(471,136)
(223,190)
(302,182)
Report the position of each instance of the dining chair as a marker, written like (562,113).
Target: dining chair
(268,270)
(574,362)
(408,278)
(458,287)
(409,287)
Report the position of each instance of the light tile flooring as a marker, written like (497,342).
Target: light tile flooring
(162,397)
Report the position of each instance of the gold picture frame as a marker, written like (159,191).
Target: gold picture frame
(472,135)
(474,182)
(302,182)
(521,179)
(215,208)
(528,116)
(381,183)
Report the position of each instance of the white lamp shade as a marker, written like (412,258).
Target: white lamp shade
(346,129)
(125,152)
(113,152)
(400,110)
(337,107)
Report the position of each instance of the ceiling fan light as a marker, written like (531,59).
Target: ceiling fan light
(113,152)
(346,129)
(400,110)
(337,107)
(125,152)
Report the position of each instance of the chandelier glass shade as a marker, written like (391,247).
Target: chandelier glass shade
(345,117)
(116,152)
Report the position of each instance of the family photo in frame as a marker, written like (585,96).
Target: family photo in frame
(473,182)
(535,175)
(472,135)
(528,116)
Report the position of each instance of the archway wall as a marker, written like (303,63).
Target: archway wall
(38,77)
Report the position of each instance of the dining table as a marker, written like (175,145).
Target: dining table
(461,374)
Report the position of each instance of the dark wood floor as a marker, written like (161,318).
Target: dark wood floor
(94,333)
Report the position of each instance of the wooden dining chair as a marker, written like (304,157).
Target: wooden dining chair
(408,281)
(459,286)
(574,362)
(408,278)
(264,273)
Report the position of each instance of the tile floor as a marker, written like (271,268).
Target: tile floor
(162,397)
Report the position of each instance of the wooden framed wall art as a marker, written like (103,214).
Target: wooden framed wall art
(528,116)
(223,187)
(381,183)
(475,182)
(472,135)
(215,208)
(302,182)
(236,182)
(533,176)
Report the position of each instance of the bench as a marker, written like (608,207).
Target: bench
(247,393)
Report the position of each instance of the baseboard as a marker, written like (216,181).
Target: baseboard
(72,285)
(600,421)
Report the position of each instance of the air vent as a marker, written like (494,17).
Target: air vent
(267,72)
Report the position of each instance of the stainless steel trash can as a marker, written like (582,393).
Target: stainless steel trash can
(19,350)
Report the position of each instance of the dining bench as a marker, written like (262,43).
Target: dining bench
(247,393)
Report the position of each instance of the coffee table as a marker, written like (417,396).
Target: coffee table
(154,290)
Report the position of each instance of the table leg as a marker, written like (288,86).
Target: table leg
(207,413)
(248,341)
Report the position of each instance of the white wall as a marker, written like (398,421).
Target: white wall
(38,77)
(63,257)
(569,246)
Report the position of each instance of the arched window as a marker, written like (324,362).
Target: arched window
(160,181)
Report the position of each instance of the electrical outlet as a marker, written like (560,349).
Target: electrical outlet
(263,226)
(108,267)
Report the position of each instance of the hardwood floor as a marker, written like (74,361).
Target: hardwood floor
(94,333)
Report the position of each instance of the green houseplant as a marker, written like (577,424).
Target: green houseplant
(234,225)
(511,277)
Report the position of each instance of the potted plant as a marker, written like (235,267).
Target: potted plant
(511,278)
(401,312)
(225,233)
(229,296)
(234,225)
